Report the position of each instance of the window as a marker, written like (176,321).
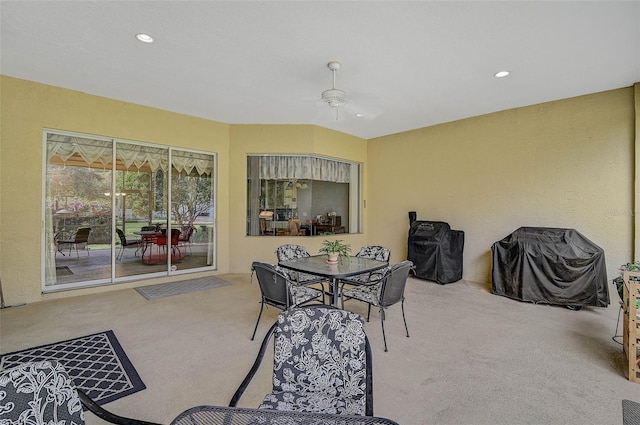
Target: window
(129,198)
(302,195)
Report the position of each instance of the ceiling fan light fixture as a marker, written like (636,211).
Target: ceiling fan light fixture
(334,97)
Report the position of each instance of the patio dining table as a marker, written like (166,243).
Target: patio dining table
(346,267)
(217,415)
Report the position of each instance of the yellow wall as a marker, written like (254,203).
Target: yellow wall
(564,164)
(26,108)
(289,139)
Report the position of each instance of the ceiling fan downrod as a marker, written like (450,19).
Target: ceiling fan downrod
(333,97)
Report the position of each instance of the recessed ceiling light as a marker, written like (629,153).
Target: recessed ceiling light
(501,74)
(359,115)
(145,38)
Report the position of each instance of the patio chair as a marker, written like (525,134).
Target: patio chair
(276,290)
(147,240)
(43,393)
(125,243)
(291,252)
(80,238)
(374,252)
(161,240)
(386,292)
(59,236)
(185,238)
(322,363)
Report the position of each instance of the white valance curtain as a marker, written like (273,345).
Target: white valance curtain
(100,151)
(90,150)
(189,161)
(304,167)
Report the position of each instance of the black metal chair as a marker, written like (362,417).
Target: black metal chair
(386,292)
(43,393)
(148,240)
(80,238)
(278,291)
(291,252)
(374,252)
(125,243)
(60,236)
(322,363)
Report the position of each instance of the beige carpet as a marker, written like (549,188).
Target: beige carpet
(472,358)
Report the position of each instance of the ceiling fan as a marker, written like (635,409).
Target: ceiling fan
(357,105)
(334,97)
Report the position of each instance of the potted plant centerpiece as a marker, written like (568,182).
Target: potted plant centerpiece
(335,249)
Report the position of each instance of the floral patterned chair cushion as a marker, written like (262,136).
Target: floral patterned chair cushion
(369,294)
(292,252)
(303,294)
(39,393)
(321,363)
(373,252)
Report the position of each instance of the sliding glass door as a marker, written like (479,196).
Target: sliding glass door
(193,209)
(77,214)
(140,200)
(107,216)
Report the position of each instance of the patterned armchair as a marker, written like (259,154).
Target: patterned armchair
(277,291)
(43,393)
(386,292)
(322,363)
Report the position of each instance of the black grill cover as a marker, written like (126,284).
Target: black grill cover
(549,265)
(436,251)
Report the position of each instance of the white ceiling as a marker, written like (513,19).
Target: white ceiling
(405,65)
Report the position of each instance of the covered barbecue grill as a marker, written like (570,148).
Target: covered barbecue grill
(435,250)
(550,265)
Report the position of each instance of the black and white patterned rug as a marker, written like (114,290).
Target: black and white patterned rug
(630,412)
(169,289)
(97,364)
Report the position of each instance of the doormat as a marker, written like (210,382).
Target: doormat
(63,271)
(170,289)
(97,364)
